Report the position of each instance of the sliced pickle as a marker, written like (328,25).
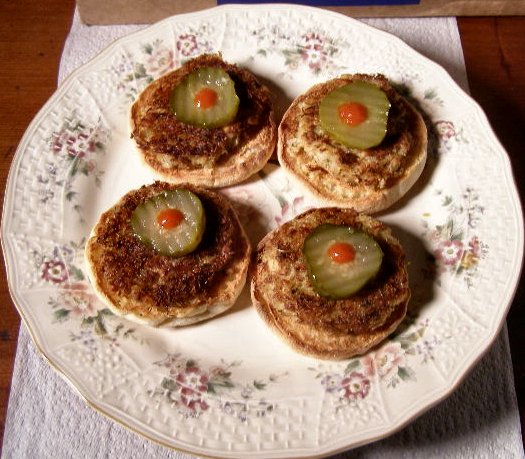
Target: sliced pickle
(174,237)
(341,279)
(218,111)
(366,133)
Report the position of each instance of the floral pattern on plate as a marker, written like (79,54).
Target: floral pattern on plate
(155,59)
(75,150)
(59,266)
(312,49)
(192,389)
(456,246)
(73,303)
(390,364)
(449,134)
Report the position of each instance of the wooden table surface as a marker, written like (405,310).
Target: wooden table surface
(31,40)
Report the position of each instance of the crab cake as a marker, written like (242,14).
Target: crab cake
(332,155)
(208,123)
(332,282)
(168,254)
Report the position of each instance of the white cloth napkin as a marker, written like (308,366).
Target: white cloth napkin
(47,419)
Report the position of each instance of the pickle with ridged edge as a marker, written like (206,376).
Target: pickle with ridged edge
(336,279)
(365,134)
(220,111)
(183,234)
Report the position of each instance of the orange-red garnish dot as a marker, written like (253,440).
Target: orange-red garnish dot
(353,113)
(205,98)
(341,252)
(169,218)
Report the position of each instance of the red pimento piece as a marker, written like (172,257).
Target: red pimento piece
(353,113)
(341,252)
(205,98)
(169,218)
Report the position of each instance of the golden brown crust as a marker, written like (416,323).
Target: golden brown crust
(136,281)
(318,326)
(367,180)
(212,157)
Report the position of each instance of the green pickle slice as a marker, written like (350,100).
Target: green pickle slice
(340,279)
(220,112)
(179,238)
(366,134)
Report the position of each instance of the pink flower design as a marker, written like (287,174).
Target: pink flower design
(77,300)
(445,129)
(187,44)
(74,145)
(435,236)
(313,52)
(192,383)
(78,146)
(388,359)
(192,378)
(449,252)
(193,400)
(475,246)
(367,362)
(54,271)
(313,41)
(57,141)
(160,61)
(355,386)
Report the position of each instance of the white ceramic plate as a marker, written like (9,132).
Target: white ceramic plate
(229,387)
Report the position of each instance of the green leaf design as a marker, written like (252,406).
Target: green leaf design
(352,365)
(430,94)
(76,273)
(70,195)
(447,200)
(169,384)
(129,332)
(226,383)
(259,385)
(100,327)
(140,71)
(148,49)
(407,341)
(415,336)
(405,373)
(61,314)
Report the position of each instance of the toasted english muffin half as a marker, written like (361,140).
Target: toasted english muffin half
(137,282)
(315,325)
(178,152)
(368,180)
